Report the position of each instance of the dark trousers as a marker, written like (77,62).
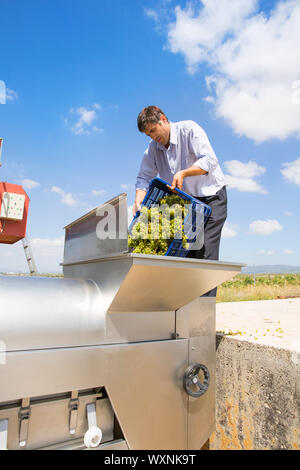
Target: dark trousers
(212,230)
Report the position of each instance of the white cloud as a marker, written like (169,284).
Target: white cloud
(244,170)
(47,242)
(151,13)
(30,184)
(209,99)
(66,198)
(11,95)
(265,227)
(254,58)
(244,184)
(47,253)
(6,94)
(127,187)
(288,252)
(98,192)
(197,35)
(241,176)
(85,123)
(47,246)
(96,129)
(296,92)
(291,172)
(2,92)
(266,252)
(288,213)
(229,231)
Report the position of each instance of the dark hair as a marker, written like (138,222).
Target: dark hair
(151,114)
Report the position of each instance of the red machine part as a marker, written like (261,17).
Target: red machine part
(13,224)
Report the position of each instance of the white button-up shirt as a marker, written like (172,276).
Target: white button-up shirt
(189,146)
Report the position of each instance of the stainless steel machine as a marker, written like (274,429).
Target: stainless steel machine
(119,354)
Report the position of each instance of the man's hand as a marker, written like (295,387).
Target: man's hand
(179,177)
(178,180)
(139,197)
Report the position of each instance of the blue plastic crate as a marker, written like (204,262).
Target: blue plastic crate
(158,188)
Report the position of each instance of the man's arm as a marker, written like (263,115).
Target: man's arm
(148,171)
(200,148)
(139,197)
(179,177)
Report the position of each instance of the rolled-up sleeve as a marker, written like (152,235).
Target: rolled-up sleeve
(148,170)
(200,148)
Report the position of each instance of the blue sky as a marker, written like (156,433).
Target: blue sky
(77,73)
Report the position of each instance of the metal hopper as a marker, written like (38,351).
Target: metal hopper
(120,354)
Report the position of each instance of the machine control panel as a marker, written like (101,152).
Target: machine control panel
(12,206)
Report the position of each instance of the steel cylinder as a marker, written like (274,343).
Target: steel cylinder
(40,313)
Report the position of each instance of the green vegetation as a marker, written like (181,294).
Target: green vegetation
(259,287)
(157,227)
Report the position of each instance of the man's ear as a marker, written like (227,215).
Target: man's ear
(163,118)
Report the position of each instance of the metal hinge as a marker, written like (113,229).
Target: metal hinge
(73,405)
(24,415)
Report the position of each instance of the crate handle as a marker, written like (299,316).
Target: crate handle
(171,189)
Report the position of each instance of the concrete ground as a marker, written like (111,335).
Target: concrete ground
(270,322)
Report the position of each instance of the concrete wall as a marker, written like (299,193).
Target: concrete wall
(257,397)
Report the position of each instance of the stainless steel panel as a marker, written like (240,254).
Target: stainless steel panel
(49,422)
(108,273)
(133,327)
(50,372)
(197,322)
(145,389)
(144,283)
(82,241)
(201,411)
(44,313)
(198,318)
(143,382)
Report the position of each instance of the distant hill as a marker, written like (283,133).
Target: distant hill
(271,269)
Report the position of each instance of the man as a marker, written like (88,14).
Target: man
(181,154)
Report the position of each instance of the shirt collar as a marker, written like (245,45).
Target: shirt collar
(173,136)
(173,133)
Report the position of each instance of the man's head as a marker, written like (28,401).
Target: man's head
(154,123)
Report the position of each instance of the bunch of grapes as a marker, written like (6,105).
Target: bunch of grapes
(157,227)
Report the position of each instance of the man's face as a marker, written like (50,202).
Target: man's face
(159,132)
